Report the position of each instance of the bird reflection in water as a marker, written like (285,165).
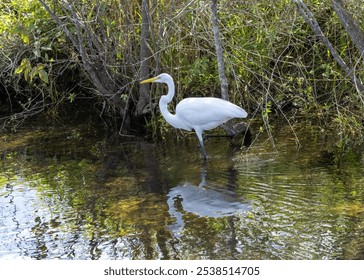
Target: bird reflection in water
(204,201)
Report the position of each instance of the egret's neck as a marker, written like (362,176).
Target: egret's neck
(163,105)
(170,94)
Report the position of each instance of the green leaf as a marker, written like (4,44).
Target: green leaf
(43,75)
(24,65)
(34,73)
(71,97)
(19,69)
(25,39)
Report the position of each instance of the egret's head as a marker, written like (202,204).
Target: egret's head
(162,78)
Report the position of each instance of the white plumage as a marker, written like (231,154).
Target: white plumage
(196,113)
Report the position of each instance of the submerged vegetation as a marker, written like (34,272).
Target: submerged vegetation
(58,57)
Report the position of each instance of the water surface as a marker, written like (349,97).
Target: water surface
(78,193)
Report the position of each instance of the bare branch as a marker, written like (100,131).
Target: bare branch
(219,52)
(144,54)
(311,20)
(60,23)
(347,21)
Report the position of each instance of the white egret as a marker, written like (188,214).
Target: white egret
(196,113)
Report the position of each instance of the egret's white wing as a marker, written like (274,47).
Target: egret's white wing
(208,112)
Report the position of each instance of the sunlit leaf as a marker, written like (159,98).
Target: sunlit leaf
(24,64)
(43,76)
(25,39)
(19,69)
(34,73)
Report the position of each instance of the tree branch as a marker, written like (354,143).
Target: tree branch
(60,24)
(311,20)
(219,52)
(356,35)
(91,51)
(144,54)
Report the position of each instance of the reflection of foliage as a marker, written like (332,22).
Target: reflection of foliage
(351,209)
(134,214)
(306,204)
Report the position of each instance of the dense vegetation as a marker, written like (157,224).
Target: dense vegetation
(57,56)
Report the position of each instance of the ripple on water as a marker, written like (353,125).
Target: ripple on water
(144,200)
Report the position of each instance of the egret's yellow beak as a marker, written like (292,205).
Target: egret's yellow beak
(151,80)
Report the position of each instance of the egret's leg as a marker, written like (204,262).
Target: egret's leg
(200,139)
(203,150)
(230,132)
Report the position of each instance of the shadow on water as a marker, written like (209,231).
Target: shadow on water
(76,194)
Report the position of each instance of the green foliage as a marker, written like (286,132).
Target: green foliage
(30,44)
(276,67)
(201,77)
(30,72)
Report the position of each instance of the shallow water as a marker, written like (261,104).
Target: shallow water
(75,193)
